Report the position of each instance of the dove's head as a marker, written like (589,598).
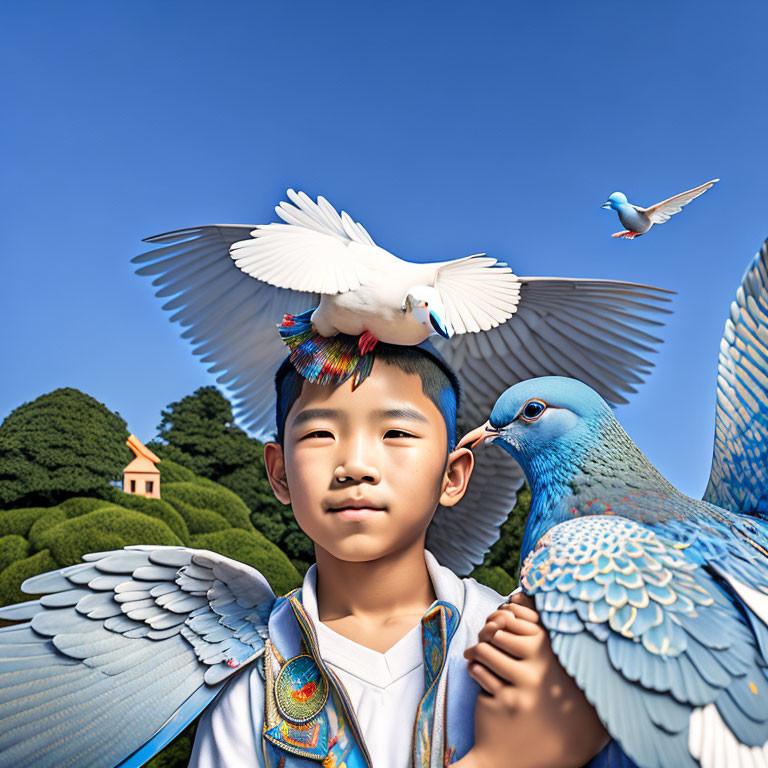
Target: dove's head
(549,421)
(615,200)
(426,305)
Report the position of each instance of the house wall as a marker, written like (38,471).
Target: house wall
(141,478)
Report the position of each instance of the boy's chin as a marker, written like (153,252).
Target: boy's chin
(364,549)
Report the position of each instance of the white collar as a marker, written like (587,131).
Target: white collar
(379,669)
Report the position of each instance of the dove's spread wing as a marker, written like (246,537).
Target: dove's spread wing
(739,477)
(122,653)
(662,211)
(590,330)
(479,293)
(229,318)
(667,660)
(459,536)
(316,250)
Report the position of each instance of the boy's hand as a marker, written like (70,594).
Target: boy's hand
(530,712)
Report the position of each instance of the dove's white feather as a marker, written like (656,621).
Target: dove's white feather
(662,211)
(478,292)
(316,250)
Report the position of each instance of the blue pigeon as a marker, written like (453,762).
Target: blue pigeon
(639,220)
(656,604)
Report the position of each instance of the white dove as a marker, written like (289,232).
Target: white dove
(229,285)
(639,220)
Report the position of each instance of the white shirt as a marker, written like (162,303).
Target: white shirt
(384,688)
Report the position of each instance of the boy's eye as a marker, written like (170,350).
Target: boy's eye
(396,433)
(318,433)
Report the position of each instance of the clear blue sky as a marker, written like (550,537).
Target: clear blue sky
(446,129)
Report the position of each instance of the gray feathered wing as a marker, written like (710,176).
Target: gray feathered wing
(122,652)
(739,477)
(229,318)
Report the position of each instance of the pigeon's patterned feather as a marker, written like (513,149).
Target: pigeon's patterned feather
(151,652)
(638,625)
(739,477)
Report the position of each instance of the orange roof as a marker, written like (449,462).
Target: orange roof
(141,452)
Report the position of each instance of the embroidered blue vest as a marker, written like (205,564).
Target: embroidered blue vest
(308,717)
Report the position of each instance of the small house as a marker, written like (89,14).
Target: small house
(141,476)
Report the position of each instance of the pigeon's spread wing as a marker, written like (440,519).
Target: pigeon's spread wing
(122,652)
(459,536)
(479,293)
(229,318)
(316,250)
(592,330)
(739,477)
(662,211)
(655,642)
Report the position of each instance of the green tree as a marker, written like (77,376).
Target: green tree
(62,444)
(199,433)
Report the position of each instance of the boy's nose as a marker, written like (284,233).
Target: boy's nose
(356,471)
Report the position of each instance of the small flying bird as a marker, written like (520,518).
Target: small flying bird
(655,603)
(639,220)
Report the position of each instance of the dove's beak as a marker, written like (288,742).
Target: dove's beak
(481,435)
(607,206)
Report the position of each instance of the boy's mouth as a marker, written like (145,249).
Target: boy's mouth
(355,509)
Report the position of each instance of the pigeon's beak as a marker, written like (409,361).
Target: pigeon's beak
(607,206)
(481,435)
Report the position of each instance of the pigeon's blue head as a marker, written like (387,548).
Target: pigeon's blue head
(615,200)
(546,424)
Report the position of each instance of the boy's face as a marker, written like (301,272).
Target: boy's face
(364,470)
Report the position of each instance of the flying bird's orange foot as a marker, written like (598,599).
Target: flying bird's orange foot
(366,342)
(626,233)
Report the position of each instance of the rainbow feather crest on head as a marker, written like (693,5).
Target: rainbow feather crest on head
(324,360)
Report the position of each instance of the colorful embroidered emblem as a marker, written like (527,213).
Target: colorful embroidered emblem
(301,690)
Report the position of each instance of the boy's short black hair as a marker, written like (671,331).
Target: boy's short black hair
(438,382)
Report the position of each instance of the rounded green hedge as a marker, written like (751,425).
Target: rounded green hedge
(19,521)
(104,529)
(207,495)
(12,548)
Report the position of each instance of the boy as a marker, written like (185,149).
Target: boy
(367,663)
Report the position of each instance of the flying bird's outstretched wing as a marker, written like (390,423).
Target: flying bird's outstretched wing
(590,330)
(122,652)
(662,211)
(229,318)
(667,659)
(739,476)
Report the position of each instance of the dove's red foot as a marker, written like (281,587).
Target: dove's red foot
(366,342)
(626,233)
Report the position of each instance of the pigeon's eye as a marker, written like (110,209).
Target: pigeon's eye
(532,410)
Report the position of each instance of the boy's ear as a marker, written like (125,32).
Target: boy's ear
(275,464)
(458,470)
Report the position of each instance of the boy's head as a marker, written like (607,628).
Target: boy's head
(365,469)
(438,382)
